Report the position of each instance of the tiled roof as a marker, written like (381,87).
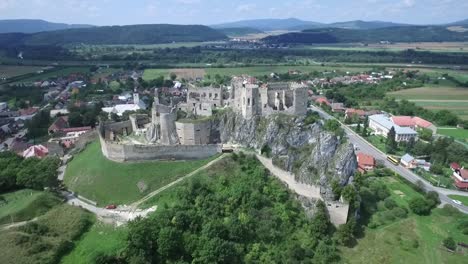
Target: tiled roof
(365,160)
(404,121)
(388,124)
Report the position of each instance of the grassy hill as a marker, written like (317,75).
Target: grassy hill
(136,34)
(392,34)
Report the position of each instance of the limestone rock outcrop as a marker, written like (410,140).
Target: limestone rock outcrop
(315,156)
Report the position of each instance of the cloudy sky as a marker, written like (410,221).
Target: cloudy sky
(123,12)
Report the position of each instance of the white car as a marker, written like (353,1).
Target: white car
(457,202)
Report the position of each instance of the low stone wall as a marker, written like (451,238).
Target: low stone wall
(127,152)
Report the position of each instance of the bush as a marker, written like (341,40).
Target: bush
(420,206)
(399,212)
(389,203)
(450,243)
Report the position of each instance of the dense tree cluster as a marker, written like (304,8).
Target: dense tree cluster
(38,125)
(241,217)
(16,172)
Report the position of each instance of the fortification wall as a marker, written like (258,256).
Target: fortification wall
(127,152)
(194,133)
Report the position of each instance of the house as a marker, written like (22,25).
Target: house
(455,166)
(461,178)
(58,125)
(322,100)
(36,151)
(381,125)
(28,113)
(413,122)
(3,106)
(351,112)
(18,146)
(365,162)
(408,161)
(338,107)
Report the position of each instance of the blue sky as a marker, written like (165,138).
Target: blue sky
(122,12)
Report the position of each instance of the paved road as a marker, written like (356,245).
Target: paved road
(366,147)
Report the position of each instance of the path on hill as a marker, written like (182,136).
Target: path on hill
(154,193)
(17,224)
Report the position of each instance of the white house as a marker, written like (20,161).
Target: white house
(381,125)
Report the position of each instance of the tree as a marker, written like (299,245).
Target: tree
(391,144)
(420,206)
(410,145)
(450,243)
(75,119)
(349,193)
(173,76)
(345,233)
(358,128)
(366,126)
(425,134)
(325,253)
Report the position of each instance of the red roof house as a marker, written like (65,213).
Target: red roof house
(365,162)
(350,112)
(60,124)
(455,166)
(413,122)
(37,151)
(322,100)
(461,179)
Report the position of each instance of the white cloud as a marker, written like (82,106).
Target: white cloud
(5,4)
(408,3)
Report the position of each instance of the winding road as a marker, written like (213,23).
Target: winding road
(368,148)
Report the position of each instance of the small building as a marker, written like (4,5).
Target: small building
(122,108)
(36,151)
(351,112)
(365,162)
(322,100)
(455,166)
(460,177)
(338,107)
(3,106)
(414,122)
(58,125)
(381,125)
(408,161)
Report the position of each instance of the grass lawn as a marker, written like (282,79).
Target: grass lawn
(151,74)
(463,199)
(379,142)
(100,239)
(12,71)
(104,181)
(460,134)
(24,205)
(416,239)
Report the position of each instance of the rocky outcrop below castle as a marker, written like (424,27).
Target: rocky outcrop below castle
(315,156)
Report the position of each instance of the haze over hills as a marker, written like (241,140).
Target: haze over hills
(240,31)
(34,26)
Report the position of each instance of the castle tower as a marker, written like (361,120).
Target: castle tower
(250,101)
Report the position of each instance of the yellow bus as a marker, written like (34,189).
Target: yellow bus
(393,160)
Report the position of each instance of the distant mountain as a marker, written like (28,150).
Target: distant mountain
(33,26)
(459,23)
(137,34)
(237,32)
(359,24)
(392,34)
(270,24)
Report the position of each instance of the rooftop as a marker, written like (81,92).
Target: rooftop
(388,124)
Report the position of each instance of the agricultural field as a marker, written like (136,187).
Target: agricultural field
(415,239)
(101,239)
(436,98)
(151,74)
(24,205)
(93,176)
(56,73)
(426,46)
(13,71)
(459,134)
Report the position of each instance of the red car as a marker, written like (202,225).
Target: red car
(111,206)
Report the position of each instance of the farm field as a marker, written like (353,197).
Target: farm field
(55,74)
(437,98)
(100,239)
(24,205)
(151,74)
(426,46)
(13,71)
(460,134)
(415,239)
(93,176)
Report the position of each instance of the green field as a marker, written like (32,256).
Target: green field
(45,240)
(12,71)
(25,205)
(150,74)
(100,239)
(93,176)
(463,199)
(415,239)
(460,134)
(55,73)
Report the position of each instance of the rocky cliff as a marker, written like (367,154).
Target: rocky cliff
(315,156)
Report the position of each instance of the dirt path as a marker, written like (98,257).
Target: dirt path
(17,224)
(154,193)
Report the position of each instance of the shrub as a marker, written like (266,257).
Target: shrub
(389,203)
(450,243)
(399,212)
(420,206)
